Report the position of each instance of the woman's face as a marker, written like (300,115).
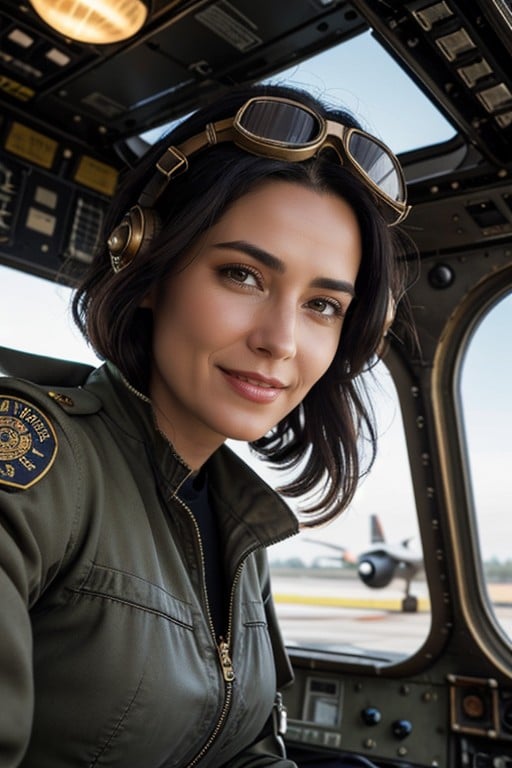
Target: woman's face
(253,320)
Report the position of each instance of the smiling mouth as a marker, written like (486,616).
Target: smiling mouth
(258,389)
(257,381)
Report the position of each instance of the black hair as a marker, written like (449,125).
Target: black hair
(322,438)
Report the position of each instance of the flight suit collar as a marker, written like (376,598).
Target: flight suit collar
(132,411)
(249,510)
(251,514)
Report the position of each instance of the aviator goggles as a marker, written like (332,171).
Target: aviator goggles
(283,129)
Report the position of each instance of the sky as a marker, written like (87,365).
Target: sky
(486,383)
(361,77)
(34,316)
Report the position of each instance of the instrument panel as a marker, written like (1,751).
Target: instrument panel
(465,724)
(377,718)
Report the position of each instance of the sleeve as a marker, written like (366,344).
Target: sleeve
(38,514)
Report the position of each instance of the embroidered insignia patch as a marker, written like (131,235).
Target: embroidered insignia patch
(28,443)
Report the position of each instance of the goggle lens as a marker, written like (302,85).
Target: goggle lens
(377,164)
(288,125)
(279,122)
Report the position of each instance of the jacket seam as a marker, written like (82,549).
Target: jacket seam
(111,569)
(117,726)
(131,604)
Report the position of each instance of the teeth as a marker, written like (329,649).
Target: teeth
(256,383)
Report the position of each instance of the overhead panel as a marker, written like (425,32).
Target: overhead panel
(66,108)
(454,54)
(185,54)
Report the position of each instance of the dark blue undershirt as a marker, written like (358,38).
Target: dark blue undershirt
(194,492)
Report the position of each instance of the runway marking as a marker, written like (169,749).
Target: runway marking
(383,604)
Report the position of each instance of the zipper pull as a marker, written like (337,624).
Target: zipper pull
(225,661)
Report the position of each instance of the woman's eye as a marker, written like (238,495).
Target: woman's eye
(327,307)
(241,275)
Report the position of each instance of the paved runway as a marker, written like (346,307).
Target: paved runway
(346,614)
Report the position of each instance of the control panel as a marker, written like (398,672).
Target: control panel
(53,200)
(458,722)
(481,713)
(376,718)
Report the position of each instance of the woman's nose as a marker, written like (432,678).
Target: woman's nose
(274,332)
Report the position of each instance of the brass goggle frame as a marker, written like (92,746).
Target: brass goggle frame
(331,135)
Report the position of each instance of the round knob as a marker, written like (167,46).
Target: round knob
(401,729)
(371,715)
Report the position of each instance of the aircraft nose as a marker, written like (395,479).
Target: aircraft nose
(366,568)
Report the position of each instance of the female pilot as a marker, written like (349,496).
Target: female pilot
(245,283)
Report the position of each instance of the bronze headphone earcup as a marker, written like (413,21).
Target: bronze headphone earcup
(131,237)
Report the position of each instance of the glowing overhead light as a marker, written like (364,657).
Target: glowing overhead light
(93,21)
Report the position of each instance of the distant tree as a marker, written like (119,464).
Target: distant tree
(497,570)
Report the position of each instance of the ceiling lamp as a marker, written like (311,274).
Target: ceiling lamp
(93,21)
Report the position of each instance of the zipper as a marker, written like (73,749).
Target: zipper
(223,648)
(134,391)
(224,644)
(225,661)
(146,399)
(228,673)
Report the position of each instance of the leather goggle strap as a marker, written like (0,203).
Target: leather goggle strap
(175,159)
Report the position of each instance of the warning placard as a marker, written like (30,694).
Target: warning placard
(231,25)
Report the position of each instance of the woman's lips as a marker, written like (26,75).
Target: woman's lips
(254,386)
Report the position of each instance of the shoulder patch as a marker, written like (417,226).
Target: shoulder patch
(28,443)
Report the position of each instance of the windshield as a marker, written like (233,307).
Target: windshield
(363,77)
(359,75)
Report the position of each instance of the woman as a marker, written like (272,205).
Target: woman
(246,282)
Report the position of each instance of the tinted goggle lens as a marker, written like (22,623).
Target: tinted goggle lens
(289,125)
(377,164)
(279,122)
(285,130)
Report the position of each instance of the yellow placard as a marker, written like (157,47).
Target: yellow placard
(96,175)
(31,145)
(18,90)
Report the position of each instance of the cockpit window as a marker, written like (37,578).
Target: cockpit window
(356,587)
(361,76)
(35,317)
(486,383)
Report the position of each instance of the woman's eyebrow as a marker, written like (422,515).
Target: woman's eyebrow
(333,285)
(271,261)
(257,253)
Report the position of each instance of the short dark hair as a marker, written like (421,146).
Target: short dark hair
(322,437)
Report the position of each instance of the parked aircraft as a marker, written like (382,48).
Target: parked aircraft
(383,561)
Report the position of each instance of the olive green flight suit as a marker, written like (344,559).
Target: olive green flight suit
(107,652)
